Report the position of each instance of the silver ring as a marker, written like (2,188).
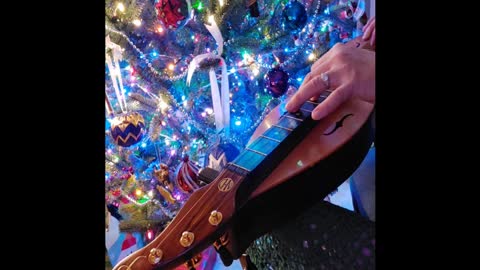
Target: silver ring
(324,77)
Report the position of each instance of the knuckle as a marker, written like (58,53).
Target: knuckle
(317,82)
(308,77)
(337,47)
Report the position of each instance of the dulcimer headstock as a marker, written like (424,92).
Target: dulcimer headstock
(199,223)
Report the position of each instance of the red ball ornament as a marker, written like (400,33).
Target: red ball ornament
(186,176)
(116,193)
(172,13)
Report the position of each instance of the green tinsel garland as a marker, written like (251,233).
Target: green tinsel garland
(142,225)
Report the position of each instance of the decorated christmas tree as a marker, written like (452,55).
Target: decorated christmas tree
(188,81)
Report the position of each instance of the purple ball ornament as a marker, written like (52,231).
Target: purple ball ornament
(276,82)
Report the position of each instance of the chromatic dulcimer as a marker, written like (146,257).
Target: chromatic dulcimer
(290,163)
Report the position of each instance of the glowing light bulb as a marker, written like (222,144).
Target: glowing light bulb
(121,7)
(171,66)
(220,2)
(150,234)
(138,192)
(209,110)
(163,105)
(160,29)
(211,19)
(137,22)
(311,56)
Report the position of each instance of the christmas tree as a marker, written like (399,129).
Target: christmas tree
(188,81)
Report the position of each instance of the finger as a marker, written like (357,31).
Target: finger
(368,23)
(314,87)
(307,78)
(315,97)
(372,40)
(316,71)
(330,104)
(368,31)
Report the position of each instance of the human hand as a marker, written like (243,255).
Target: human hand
(369,31)
(351,74)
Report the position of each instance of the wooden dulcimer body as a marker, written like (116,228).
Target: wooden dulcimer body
(290,163)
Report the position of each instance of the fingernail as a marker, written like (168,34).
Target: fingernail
(364,36)
(288,106)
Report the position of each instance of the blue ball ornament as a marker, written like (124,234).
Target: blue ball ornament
(295,16)
(127,129)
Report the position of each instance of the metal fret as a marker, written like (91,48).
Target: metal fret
(289,129)
(291,117)
(305,110)
(272,139)
(238,166)
(255,151)
(309,101)
(325,95)
(264,145)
